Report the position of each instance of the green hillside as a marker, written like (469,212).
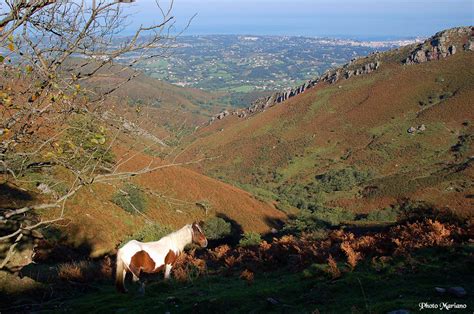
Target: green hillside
(349,143)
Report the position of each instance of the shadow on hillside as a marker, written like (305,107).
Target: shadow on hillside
(274,223)
(58,268)
(236,232)
(47,245)
(12,197)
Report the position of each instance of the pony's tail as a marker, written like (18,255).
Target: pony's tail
(120,273)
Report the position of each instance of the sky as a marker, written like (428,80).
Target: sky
(360,19)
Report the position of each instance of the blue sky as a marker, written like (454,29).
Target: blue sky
(340,18)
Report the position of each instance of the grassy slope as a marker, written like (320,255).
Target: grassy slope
(94,220)
(401,284)
(165,108)
(359,122)
(172,194)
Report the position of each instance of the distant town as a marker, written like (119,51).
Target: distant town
(241,64)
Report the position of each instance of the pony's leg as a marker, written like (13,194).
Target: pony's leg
(135,273)
(135,278)
(167,271)
(141,289)
(124,274)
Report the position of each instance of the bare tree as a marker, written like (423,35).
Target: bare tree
(51,54)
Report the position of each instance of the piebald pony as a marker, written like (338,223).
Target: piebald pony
(152,257)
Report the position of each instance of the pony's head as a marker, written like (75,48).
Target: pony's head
(198,236)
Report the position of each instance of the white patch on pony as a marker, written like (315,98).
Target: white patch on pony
(157,250)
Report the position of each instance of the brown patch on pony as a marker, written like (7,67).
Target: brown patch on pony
(171,258)
(142,261)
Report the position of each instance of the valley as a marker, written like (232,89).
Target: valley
(286,151)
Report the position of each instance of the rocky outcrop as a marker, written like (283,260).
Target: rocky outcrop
(353,68)
(442,45)
(222,115)
(130,127)
(469,45)
(347,71)
(278,97)
(419,129)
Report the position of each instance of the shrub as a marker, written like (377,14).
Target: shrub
(330,270)
(150,232)
(463,145)
(384,215)
(319,234)
(131,198)
(186,273)
(304,222)
(353,257)
(342,179)
(216,228)
(313,222)
(333,217)
(189,268)
(248,276)
(250,239)
(301,196)
(81,271)
(333,269)
(284,206)
(412,211)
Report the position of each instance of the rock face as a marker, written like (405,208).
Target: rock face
(278,97)
(442,45)
(45,189)
(347,71)
(222,115)
(469,45)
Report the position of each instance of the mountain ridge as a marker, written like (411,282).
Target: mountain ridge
(434,48)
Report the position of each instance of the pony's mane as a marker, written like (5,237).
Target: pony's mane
(179,230)
(179,233)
